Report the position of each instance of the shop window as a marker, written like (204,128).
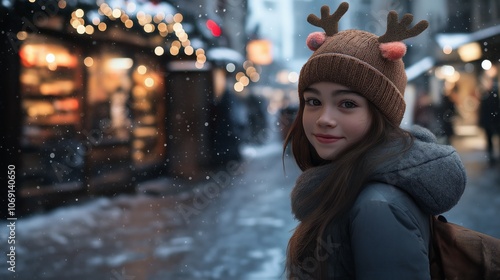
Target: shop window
(108,97)
(51,90)
(148,107)
(126,113)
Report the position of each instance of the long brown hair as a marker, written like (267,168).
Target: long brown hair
(340,189)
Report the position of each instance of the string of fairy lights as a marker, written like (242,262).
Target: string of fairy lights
(131,16)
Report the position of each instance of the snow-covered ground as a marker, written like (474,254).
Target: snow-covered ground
(230,227)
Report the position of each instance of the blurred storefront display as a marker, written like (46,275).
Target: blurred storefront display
(97,112)
(93,118)
(51,102)
(110,94)
(466,64)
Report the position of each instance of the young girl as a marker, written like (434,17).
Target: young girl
(369,187)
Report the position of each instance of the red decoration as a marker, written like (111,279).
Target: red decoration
(393,50)
(214,28)
(315,40)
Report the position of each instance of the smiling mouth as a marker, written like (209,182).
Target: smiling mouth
(326,139)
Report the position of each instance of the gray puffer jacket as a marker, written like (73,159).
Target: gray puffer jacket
(386,233)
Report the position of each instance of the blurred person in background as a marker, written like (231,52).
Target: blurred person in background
(489,114)
(257,118)
(424,112)
(446,112)
(228,119)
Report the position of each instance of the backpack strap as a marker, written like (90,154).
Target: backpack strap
(435,265)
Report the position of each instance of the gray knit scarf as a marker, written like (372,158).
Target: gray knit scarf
(431,173)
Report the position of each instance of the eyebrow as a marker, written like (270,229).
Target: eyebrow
(342,91)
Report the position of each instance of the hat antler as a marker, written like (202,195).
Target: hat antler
(398,31)
(329,23)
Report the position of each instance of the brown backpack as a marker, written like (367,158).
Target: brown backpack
(459,253)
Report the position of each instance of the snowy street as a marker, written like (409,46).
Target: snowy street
(230,227)
(236,230)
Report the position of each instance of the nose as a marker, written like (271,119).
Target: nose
(326,118)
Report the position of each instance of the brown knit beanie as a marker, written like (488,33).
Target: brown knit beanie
(366,63)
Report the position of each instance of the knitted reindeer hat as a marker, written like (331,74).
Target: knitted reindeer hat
(366,63)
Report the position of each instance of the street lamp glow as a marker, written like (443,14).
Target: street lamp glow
(50,58)
(189,50)
(201,58)
(116,13)
(120,63)
(255,77)
(162,27)
(142,69)
(88,61)
(22,35)
(159,17)
(174,50)
(177,27)
(176,44)
(470,52)
(149,82)
(239,75)
(106,10)
(486,64)
(79,13)
(238,87)
(80,29)
(448,70)
(148,28)
(169,18)
(293,77)
(159,51)
(230,67)
(102,26)
(124,17)
(141,17)
(199,65)
(75,22)
(89,29)
(129,23)
(250,70)
(444,72)
(178,17)
(447,49)
(244,80)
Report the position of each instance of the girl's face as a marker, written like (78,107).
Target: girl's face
(334,118)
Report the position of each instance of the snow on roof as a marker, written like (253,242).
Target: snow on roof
(134,6)
(225,54)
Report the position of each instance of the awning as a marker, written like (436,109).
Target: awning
(419,68)
(455,40)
